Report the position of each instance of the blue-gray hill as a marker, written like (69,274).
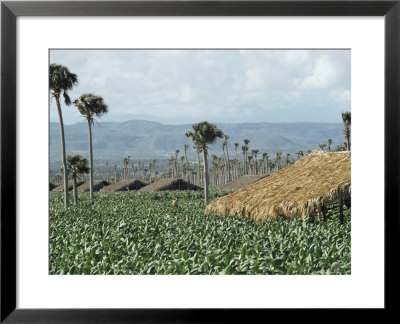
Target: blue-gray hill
(143,139)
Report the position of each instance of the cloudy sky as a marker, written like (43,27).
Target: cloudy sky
(187,86)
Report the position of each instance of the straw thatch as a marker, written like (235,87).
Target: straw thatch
(243,181)
(51,186)
(170,184)
(301,189)
(124,185)
(70,185)
(97,185)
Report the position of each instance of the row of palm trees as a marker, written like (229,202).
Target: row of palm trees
(61,80)
(205,133)
(222,169)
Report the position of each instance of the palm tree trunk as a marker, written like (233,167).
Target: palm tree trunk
(91,160)
(347,137)
(63,156)
(198,169)
(205,176)
(107,178)
(229,167)
(75,192)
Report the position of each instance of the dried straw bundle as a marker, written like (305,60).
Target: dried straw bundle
(303,188)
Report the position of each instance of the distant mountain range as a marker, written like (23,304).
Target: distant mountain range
(143,139)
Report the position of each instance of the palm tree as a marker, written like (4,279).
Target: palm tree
(60,81)
(278,160)
(237,159)
(329,144)
(339,148)
(107,176)
(299,154)
(204,133)
(287,159)
(90,105)
(245,149)
(255,152)
(77,165)
(322,146)
(226,137)
(198,151)
(176,162)
(346,116)
(185,147)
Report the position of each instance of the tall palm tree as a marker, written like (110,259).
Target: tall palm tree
(90,105)
(204,133)
(287,159)
(246,148)
(60,81)
(237,159)
(198,151)
(346,116)
(176,162)
(329,144)
(255,152)
(77,166)
(185,147)
(107,176)
(278,160)
(236,149)
(226,137)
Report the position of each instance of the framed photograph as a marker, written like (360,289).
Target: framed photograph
(207,147)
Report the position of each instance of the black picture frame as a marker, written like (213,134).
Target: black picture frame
(10,10)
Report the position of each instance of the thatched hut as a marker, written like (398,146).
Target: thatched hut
(170,184)
(97,185)
(243,181)
(306,187)
(52,186)
(124,185)
(70,185)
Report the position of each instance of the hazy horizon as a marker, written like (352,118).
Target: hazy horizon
(101,120)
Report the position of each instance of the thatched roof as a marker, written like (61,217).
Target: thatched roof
(124,185)
(70,184)
(297,190)
(170,184)
(243,181)
(97,185)
(51,186)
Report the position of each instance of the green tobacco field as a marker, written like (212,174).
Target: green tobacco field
(140,233)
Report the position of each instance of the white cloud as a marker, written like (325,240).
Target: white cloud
(203,83)
(341,95)
(186,94)
(324,74)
